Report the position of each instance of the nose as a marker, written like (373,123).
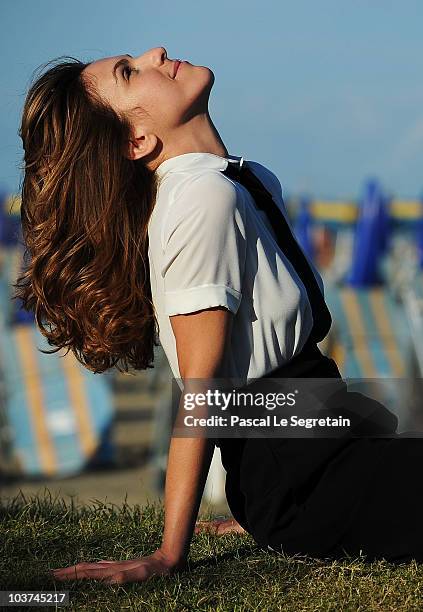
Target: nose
(155,56)
(159,55)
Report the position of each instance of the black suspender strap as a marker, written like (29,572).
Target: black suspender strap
(288,244)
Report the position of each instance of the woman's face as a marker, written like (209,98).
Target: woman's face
(148,81)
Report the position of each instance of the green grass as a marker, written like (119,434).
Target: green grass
(226,573)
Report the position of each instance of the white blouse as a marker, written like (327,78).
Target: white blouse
(209,245)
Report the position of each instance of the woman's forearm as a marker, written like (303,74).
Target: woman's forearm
(188,465)
(202,341)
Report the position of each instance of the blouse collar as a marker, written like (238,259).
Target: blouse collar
(189,161)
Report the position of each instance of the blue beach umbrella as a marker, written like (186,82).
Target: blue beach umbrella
(303,227)
(370,239)
(385,223)
(11,229)
(3,197)
(419,235)
(10,224)
(4,287)
(18,313)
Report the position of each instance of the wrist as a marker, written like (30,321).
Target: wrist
(170,559)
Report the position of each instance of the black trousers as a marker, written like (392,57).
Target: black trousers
(329,497)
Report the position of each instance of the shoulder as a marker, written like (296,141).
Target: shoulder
(210,184)
(208,193)
(267,176)
(204,201)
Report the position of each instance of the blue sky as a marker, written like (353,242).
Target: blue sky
(325,93)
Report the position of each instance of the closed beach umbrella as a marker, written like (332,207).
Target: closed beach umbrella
(370,239)
(419,236)
(303,228)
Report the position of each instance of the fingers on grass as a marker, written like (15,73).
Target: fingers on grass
(84,570)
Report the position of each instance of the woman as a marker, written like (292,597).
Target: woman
(132,222)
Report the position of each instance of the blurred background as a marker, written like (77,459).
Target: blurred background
(329,96)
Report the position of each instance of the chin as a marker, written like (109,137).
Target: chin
(207,76)
(204,69)
(201,82)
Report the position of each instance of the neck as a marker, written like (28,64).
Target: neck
(199,135)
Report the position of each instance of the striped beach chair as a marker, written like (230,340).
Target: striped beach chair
(371,341)
(59,414)
(371,333)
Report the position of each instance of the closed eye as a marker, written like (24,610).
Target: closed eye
(127,70)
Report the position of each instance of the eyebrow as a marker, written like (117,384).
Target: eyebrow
(122,62)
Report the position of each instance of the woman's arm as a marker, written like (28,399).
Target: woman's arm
(202,340)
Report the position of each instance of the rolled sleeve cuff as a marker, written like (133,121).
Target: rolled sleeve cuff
(199,298)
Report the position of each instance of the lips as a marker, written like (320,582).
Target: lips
(177,64)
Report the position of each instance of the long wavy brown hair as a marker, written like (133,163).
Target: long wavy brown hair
(85,209)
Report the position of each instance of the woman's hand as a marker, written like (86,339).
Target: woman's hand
(119,572)
(219,526)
